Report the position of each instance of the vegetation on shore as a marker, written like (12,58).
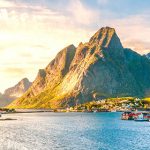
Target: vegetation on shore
(112,104)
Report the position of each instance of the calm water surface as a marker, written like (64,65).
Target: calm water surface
(73,131)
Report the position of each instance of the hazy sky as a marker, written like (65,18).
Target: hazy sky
(33,31)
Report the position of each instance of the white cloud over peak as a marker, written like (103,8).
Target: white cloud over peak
(81,13)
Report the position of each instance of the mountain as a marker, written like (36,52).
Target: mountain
(97,69)
(14,92)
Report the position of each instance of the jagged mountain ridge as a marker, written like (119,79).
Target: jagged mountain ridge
(14,92)
(96,69)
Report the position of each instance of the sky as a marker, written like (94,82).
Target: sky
(32,32)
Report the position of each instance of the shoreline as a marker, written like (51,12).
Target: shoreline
(50,111)
(16,111)
(27,111)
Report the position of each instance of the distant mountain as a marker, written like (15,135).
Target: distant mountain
(97,69)
(12,93)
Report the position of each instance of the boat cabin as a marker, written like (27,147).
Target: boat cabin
(128,115)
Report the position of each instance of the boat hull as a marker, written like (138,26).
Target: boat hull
(142,120)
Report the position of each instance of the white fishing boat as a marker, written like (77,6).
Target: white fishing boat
(141,117)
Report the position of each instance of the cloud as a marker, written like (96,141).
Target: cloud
(81,13)
(135,33)
(102,2)
(14,71)
(5,3)
(141,47)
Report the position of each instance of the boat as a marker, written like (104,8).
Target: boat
(137,116)
(142,117)
(7,119)
(128,115)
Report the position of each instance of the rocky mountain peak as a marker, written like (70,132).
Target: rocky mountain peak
(14,92)
(19,88)
(106,37)
(25,80)
(62,60)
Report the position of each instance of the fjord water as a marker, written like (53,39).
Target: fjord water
(73,131)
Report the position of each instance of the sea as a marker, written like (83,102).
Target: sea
(73,131)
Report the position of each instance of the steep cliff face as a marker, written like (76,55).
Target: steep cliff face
(44,86)
(96,69)
(14,92)
(53,74)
